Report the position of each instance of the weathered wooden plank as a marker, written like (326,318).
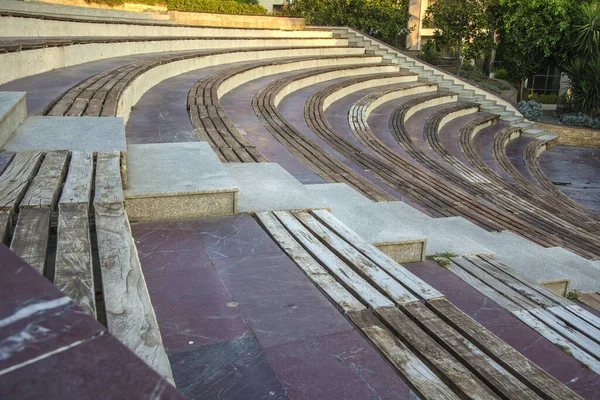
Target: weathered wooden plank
(528,372)
(426,383)
(573,320)
(5,226)
(494,283)
(129,313)
(30,239)
(453,373)
(483,366)
(344,274)
(45,187)
(567,346)
(361,264)
(589,345)
(415,284)
(73,269)
(569,305)
(311,268)
(16,178)
(109,188)
(78,186)
(490,292)
(522,289)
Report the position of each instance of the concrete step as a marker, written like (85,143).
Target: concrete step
(13,112)
(524,125)
(69,133)
(46,9)
(269,187)
(358,212)
(538,263)
(389,222)
(534,132)
(511,119)
(493,109)
(177,181)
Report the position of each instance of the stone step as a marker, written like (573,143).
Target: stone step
(534,132)
(69,133)
(59,10)
(269,187)
(392,222)
(13,112)
(177,181)
(538,263)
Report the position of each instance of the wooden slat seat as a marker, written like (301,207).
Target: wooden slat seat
(307,151)
(29,191)
(557,319)
(541,198)
(438,349)
(211,122)
(542,226)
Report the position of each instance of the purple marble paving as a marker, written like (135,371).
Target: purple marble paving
(51,349)
(515,149)
(577,172)
(483,143)
(489,314)
(240,320)
(43,88)
(161,114)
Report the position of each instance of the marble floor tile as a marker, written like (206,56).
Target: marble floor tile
(339,366)
(231,370)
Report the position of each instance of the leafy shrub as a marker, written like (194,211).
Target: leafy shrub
(217,6)
(484,81)
(532,110)
(502,74)
(544,98)
(579,119)
(429,53)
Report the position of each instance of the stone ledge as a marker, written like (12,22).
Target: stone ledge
(13,112)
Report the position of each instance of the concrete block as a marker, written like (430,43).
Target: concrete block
(69,133)
(560,286)
(177,180)
(269,187)
(13,112)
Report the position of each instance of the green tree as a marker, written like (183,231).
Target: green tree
(463,24)
(383,19)
(531,33)
(583,65)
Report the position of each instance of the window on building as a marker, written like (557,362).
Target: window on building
(546,81)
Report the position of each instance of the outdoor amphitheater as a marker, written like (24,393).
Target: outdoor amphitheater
(253,208)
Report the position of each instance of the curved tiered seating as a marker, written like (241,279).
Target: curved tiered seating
(115,91)
(25,57)
(91,253)
(211,122)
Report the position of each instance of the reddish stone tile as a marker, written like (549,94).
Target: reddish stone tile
(36,317)
(100,368)
(339,366)
(232,370)
(278,301)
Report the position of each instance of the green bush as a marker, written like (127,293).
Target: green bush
(484,81)
(544,98)
(217,6)
(429,53)
(579,119)
(501,74)
(532,110)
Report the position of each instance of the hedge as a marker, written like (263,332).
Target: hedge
(217,6)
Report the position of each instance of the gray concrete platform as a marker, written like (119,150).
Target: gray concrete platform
(69,133)
(537,262)
(269,187)
(13,112)
(176,181)
(371,221)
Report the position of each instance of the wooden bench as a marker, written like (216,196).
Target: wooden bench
(439,350)
(307,151)
(528,192)
(29,193)
(532,222)
(559,320)
(211,122)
